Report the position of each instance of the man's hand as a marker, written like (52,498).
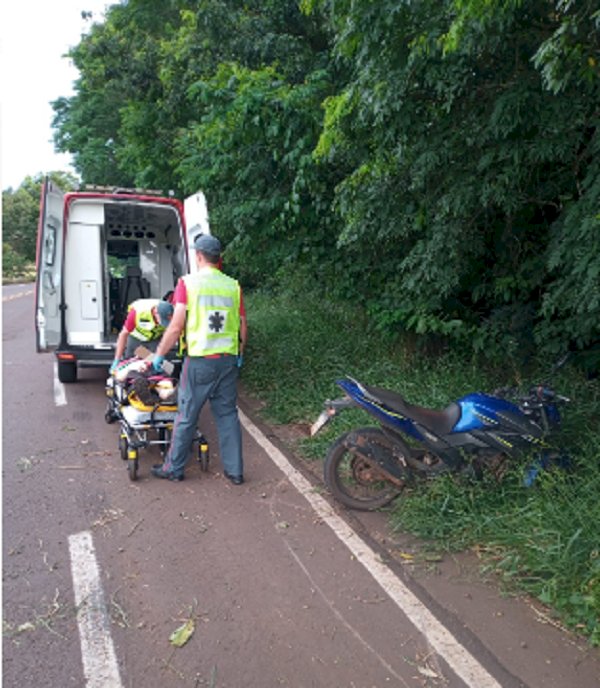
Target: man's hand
(157,363)
(240,360)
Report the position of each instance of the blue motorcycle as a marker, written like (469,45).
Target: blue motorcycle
(368,467)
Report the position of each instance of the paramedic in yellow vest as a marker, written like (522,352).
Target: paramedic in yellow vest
(209,308)
(146,322)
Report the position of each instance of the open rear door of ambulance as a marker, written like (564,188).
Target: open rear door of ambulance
(49,259)
(196,223)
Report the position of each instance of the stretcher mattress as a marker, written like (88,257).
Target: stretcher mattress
(137,415)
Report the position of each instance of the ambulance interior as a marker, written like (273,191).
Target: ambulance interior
(116,252)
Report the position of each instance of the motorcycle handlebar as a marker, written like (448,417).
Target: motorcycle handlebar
(541,394)
(538,394)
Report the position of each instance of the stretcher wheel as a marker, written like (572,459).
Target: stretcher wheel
(203,455)
(123,447)
(165,435)
(109,414)
(132,464)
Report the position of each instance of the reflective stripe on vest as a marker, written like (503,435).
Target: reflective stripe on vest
(213,313)
(146,329)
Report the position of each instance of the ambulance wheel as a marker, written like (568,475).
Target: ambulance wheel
(203,455)
(132,466)
(67,371)
(123,447)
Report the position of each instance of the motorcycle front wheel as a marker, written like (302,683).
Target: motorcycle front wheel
(355,481)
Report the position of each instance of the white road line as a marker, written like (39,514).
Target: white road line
(100,666)
(461,661)
(18,295)
(60,396)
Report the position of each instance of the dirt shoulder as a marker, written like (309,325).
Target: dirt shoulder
(524,635)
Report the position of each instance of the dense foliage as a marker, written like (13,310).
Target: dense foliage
(435,162)
(473,177)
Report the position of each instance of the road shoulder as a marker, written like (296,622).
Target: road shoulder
(519,631)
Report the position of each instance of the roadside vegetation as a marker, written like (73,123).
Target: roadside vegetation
(408,192)
(543,540)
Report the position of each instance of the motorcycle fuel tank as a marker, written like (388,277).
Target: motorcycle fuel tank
(480,411)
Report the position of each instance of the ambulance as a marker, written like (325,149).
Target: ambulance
(98,250)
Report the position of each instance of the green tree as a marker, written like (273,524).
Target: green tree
(466,160)
(223,96)
(435,162)
(117,97)
(255,75)
(252,155)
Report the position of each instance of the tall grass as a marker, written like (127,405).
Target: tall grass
(543,540)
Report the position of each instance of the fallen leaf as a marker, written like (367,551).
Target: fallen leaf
(426,671)
(180,636)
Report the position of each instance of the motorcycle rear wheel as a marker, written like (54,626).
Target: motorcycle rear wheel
(353,480)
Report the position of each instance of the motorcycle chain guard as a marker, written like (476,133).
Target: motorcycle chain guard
(376,455)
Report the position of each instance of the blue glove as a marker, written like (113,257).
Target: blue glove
(157,363)
(114,365)
(240,360)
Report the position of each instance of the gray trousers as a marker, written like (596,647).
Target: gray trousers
(215,380)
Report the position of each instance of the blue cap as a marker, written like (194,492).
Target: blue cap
(164,311)
(206,243)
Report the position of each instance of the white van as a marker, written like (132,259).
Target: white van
(97,251)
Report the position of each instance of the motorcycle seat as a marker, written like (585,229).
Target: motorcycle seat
(439,422)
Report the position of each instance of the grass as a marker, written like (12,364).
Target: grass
(544,540)
(21,273)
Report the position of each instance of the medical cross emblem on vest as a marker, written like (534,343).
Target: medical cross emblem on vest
(215,321)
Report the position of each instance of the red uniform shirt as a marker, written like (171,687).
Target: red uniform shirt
(129,323)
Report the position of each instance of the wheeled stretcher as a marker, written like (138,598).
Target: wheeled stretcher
(144,422)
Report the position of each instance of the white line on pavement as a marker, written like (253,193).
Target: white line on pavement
(462,662)
(60,397)
(18,295)
(100,666)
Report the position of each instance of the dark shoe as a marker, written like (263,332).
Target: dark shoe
(158,472)
(235,479)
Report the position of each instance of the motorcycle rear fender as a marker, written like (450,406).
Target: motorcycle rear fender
(330,409)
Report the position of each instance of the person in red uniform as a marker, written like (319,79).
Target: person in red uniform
(209,309)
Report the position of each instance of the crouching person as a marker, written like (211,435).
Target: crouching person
(146,322)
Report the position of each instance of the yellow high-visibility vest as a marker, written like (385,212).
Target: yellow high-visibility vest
(146,329)
(213,313)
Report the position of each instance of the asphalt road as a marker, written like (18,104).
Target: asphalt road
(276,587)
